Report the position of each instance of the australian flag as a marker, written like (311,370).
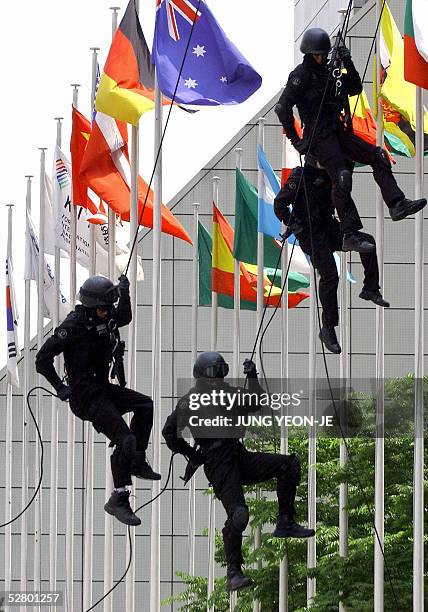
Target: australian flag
(214,71)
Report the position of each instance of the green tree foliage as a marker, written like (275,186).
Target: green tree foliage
(353,576)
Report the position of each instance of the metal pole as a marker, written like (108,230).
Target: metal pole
(156,357)
(73,220)
(312,444)
(211,503)
(418,469)
(40,311)
(237,296)
(195,299)
(111,213)
(8,466)
(379,447)
(108,520)
(214,296)
(344,375)
(24,454)
(53,517)
(92,238)
(260,304)
(71,425)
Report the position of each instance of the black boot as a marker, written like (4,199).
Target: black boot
(288,528)
(373,296)
(353,241)
(328,336)
(118,506)
(236,579)
(403,208)
(141,468)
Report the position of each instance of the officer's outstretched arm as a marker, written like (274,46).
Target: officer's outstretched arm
(45,358)
(124,311)
(351,79)
(171,431)
(284,109)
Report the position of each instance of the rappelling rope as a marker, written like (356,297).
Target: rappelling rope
(345,441)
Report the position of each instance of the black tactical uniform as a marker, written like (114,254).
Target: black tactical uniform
(326,238)
(228,465)
(321,103)
(89,345)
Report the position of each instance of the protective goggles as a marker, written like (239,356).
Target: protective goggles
(218,370)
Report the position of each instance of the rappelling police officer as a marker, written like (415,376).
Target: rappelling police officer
(90,342)
(320,90)
(228,465)
(313,223)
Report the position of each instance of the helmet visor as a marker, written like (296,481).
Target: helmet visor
(218,370)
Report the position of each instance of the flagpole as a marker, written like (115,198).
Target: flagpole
(27,378)
(111,213)
(237,296)
(87,450)
(379,445)
(418,469)
(73,223)
(8,466)
(283,568)
(71,425)
(195,297)
(214,296)
(40,311)
(211,502)
(156,356)
(53,518)
(108,519)
(312,443)
(260,304)
(344,375)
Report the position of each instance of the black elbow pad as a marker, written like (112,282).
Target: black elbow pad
(279,109)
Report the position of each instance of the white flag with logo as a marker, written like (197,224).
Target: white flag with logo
(31,273)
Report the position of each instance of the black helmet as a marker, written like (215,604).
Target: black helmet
(314,41)
(98,291)
(210,365)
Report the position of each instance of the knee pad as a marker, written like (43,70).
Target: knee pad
(293,469)
(381,159)
(238,520)
(344,180)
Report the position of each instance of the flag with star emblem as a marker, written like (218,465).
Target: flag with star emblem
(214,71)
(80,132)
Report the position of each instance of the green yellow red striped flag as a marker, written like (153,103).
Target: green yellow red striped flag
(126,87)
(222,269)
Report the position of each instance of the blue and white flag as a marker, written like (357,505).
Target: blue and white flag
(214,70)
(269,186)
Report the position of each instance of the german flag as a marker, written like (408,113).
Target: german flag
(126,87)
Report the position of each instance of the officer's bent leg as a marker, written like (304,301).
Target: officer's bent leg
(258,467)
(127,400)
(371,267)
(228,488)
(328,285)
(107,420)
(365,153)
(329,154)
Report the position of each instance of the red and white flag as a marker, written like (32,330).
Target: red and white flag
(106,170)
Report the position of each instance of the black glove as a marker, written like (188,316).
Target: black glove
(123,285)
(343,53)
(63,392)
(250,369)
(196,456)
(301,146)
